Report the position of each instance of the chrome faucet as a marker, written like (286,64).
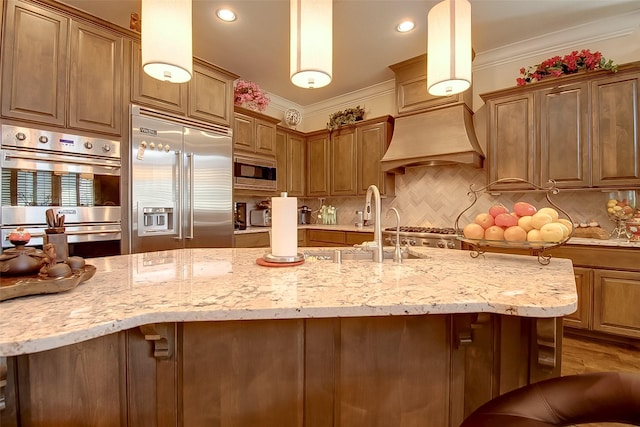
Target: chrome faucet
(378,255)
(397,254)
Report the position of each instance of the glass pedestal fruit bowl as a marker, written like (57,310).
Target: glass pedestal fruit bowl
(621,207)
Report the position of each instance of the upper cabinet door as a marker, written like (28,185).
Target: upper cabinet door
(95,79)
(373,140)
(564,135)
(511,140)
(34,70)
(616,130)
(211,96)
(344,162)
(153,92)
(318,165)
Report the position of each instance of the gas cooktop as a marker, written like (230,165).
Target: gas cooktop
(422,230)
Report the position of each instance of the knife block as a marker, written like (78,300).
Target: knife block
(59,241)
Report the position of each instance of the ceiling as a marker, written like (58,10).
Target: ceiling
(365,42)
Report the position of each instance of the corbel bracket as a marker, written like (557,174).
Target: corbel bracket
(158,334)
(547,340)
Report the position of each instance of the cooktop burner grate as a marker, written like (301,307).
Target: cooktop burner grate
(423,230)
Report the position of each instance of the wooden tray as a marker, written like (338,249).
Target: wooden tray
(13,287)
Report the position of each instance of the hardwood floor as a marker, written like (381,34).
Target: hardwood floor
(584,355)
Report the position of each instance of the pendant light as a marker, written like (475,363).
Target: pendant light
(449,47)
(166,40)
(311,40)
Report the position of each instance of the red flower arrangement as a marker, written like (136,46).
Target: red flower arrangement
(249,93)
(568,64)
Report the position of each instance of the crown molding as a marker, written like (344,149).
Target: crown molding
(360,96)
(604,29)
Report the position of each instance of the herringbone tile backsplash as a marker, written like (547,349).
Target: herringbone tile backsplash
(434,196)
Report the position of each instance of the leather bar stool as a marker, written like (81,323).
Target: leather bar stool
(565,401)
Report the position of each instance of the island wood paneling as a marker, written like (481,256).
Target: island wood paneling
(238,374)
(79,385)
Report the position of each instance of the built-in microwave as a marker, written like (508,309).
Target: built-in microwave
(254,173)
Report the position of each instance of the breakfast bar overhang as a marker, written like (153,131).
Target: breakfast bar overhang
(208,337)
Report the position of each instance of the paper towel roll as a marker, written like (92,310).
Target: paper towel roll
(284,226)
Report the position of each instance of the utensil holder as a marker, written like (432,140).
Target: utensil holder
(59,242)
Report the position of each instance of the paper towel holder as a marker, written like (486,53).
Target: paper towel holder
(269,257)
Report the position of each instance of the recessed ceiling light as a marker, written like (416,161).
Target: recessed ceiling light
(226,15)
(405,26)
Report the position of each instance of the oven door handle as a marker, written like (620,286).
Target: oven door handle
(73,162)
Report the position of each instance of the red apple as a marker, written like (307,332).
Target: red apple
(506,220)
(524,209)
(498,209)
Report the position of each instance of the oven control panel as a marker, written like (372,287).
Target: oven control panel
(44,140)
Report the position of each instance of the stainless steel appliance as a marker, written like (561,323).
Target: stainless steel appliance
(260,217)
(76,176)
(304,215)
(240,213)
(254,173)
(181,183)
(435,237)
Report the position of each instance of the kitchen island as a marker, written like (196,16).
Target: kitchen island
(208,337)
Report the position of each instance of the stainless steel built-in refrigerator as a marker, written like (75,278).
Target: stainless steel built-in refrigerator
(181,183)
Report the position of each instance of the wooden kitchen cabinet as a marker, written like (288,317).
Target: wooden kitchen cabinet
(615,103)
(211,97)
(346,161)
(579,130)
(286,372)
(208,96)
(80,384)
(343,155)
(373,139)
(318,164)
(615,302)
(291,149)
(35,63)
(95,79)
(145,90)
(563,113)
(254,132)
(511,147)
(337,238)
(411,87)
(61,72)
(582,317)
(608,284)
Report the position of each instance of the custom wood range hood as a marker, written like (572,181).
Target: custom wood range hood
(429,130)
(436,137)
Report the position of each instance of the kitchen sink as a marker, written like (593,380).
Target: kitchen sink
(351,254)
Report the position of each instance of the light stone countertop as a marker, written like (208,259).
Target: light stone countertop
(226,284)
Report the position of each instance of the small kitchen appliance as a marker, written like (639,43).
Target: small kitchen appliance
(304,215)
(240,216)
(260,217)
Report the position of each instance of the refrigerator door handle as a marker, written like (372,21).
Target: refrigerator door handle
(180,193)
(190,157)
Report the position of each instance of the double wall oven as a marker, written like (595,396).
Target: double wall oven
(76,176)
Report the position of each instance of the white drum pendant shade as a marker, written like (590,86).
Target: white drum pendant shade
(311,41)
(449,47)
(166,40)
